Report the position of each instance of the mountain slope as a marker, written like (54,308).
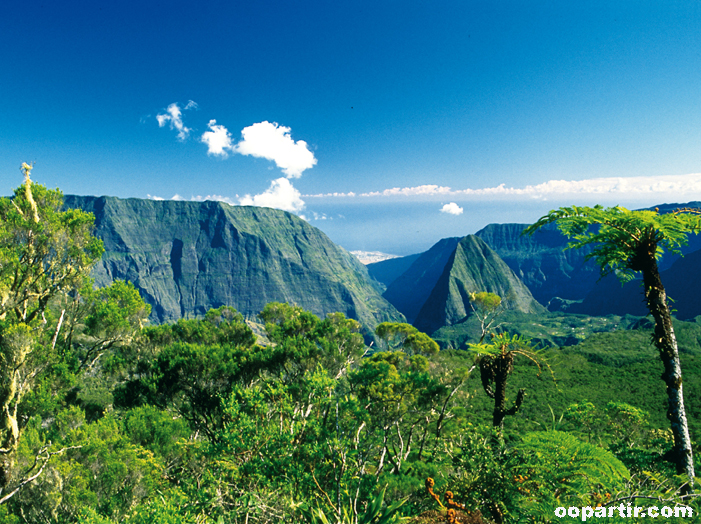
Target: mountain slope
(542,261)
(473,266)
(409,292)
(549,269)
(188,257)
(387,271)
(682,282)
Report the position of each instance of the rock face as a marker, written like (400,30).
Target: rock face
(473,266)
(682,282)
(550,270)
(387,271)
(409,292)
(542,261)
(188,257)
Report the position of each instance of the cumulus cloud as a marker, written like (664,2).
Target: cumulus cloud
(218,139)
(452,209)
(273,142)
(174,116)
(281,195)
(262,140)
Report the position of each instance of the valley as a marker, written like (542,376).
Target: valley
(232,363)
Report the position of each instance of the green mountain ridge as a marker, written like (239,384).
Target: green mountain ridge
(473,266)
(188,257)
(542,262)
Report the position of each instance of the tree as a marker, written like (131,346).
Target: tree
(486,307)
(108,316)
(627,243)
(44,253)
(496,363)
(195,367)
(304,341)
(407,338)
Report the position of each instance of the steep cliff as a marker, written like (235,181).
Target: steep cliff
(409,292)
(387,271)
(188,257)
(682,282)
(550,270)
(542,261)
(473,266)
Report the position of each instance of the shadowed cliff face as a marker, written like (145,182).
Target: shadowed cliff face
(188,257)
(472,267)
(542,261)
(409,292)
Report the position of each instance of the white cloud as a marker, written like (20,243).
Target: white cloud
(452,209)
(175,117)
(273,142)
(425,190)
(213,198)
(322,195)
(198,198)
(218,139)
(281,195)
(315,216)
(429,189)
(628,187)
(669,186)
(262,140)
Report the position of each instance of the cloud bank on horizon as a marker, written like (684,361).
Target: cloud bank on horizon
(629,187)
(265,139)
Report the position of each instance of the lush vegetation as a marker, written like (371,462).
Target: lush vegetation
(630,243)
(106,420)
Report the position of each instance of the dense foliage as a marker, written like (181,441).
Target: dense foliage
(210,421)
(628,243)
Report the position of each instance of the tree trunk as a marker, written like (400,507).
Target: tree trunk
(503,365)
(502,368)
(666,343)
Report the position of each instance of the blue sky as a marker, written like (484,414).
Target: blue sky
(388,125)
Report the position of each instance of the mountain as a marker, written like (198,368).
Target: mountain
(409,292)
(387,271)
(473,266)
(550,270)
(542,261)
(188,257)
(682,282)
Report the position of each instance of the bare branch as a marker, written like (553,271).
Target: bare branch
(27,480)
